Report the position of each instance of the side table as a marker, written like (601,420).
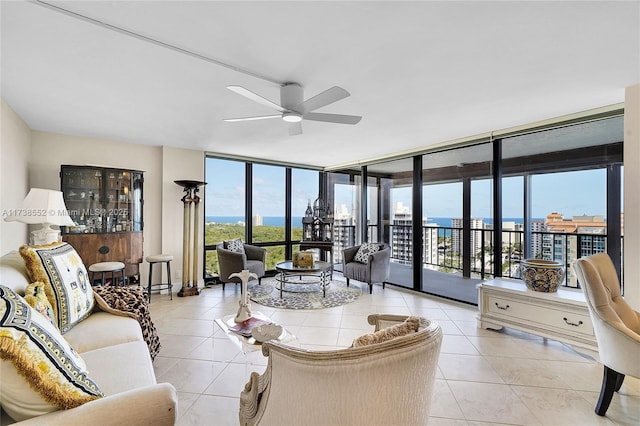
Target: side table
(250,348)
(249,344)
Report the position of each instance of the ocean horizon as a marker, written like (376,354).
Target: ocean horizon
(279,220)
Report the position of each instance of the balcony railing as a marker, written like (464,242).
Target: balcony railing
(442,248)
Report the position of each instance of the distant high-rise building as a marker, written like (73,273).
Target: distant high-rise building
(561,246)
(256,220)
(536,238)
(343,231)
(430,242)
(476,237)
(402,234)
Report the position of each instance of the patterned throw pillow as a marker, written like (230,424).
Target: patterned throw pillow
(234,245)
(65,279)
(40,371)
(35,297)
(362,256)
(410,325)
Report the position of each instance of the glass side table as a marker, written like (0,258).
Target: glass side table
(250,348)
(249,344)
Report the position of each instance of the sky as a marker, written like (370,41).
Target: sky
(225,197)
(568,193)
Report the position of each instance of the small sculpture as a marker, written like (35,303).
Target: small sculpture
(265,332)
(244,311)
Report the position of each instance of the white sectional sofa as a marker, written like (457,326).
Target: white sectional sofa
(117,359)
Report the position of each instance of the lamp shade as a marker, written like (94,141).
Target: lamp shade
(42,206)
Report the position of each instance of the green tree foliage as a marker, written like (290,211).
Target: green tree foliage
(215,233)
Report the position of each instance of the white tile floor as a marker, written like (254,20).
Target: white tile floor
(484,377)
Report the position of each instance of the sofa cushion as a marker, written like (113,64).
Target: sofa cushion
(102,329)
(358,271)
(66,281)
(236,245)
(410,325)
(366,249)
(35,297)
(40,371)
(120,368)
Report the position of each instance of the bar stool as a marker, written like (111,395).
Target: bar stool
(160,258)
(106,267)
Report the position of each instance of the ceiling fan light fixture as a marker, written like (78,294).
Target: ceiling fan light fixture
(292,117)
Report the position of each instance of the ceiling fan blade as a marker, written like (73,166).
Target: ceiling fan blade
(324,98)
(295,129)
(255,97)
(332,118)
(260,117)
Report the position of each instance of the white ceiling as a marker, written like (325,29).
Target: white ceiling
(420,73)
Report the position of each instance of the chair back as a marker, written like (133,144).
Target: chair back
(616,324)
(599,280)
(379,384)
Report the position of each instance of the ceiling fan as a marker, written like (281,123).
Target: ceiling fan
(293,108)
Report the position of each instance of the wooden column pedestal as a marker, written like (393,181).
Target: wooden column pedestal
(190,200)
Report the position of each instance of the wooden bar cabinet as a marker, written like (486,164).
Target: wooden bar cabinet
(106,206)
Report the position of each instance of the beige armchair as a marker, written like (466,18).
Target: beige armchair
(616,325)
(380,384)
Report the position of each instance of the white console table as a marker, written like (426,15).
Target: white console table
(561,316)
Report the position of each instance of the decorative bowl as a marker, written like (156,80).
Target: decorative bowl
(266,332)
(542,275)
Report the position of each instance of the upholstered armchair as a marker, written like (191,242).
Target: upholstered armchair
(378,384)
(616,325)
(370,269)
(252,259)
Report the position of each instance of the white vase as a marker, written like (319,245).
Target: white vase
(244,311)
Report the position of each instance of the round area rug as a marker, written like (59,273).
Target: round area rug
(302,295)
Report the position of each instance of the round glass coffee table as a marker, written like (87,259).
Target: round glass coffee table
(286,270)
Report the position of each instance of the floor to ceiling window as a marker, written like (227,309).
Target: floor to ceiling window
(457,219)
(570,177)
(265,211)
(482,263)
(343,193)
(304,191)
(268,211)
(558,196)
(224,207)
(442,217)
(373,211)
(396,216)
(513,225)
(572,206)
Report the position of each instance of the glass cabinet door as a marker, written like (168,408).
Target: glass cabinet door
(101,200)
(82,190)
(119,205)
(136,201)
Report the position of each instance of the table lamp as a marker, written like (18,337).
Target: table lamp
(46,207)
